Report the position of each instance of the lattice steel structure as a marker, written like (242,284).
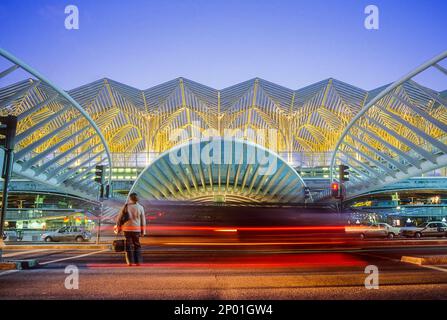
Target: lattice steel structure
(400,133)
(305,120)
(220,170)
(57,142)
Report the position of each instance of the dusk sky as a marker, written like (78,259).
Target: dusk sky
(221,43)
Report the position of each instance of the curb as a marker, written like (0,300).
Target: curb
(425,260)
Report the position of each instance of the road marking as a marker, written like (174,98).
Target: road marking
(4,273)
(74,257)
(53,261)
(8,255)
(433,267)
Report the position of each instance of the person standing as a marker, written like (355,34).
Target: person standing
(132,221)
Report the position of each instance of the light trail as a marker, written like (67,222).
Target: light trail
(236,228)
(246,243)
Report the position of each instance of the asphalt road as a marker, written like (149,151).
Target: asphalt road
(236,253)
(184,268)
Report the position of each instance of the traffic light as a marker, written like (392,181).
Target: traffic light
(343,173)
(99,174)
(8,126)
(306,193)
(99,178)
(335,189)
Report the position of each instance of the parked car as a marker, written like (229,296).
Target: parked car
(13,235)
(70,233)
(427,229)
(374,230)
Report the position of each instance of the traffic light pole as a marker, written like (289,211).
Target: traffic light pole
(6,178)
(99,178)
(8,130)
(98,234)
(341,197)
(343,175)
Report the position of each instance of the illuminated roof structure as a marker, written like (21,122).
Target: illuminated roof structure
(308,119)
(384,135)
(399,134)
(220,170)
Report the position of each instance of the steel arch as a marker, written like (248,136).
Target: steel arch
(399,134)
(52,134)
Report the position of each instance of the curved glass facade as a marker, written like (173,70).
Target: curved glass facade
(220,170)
